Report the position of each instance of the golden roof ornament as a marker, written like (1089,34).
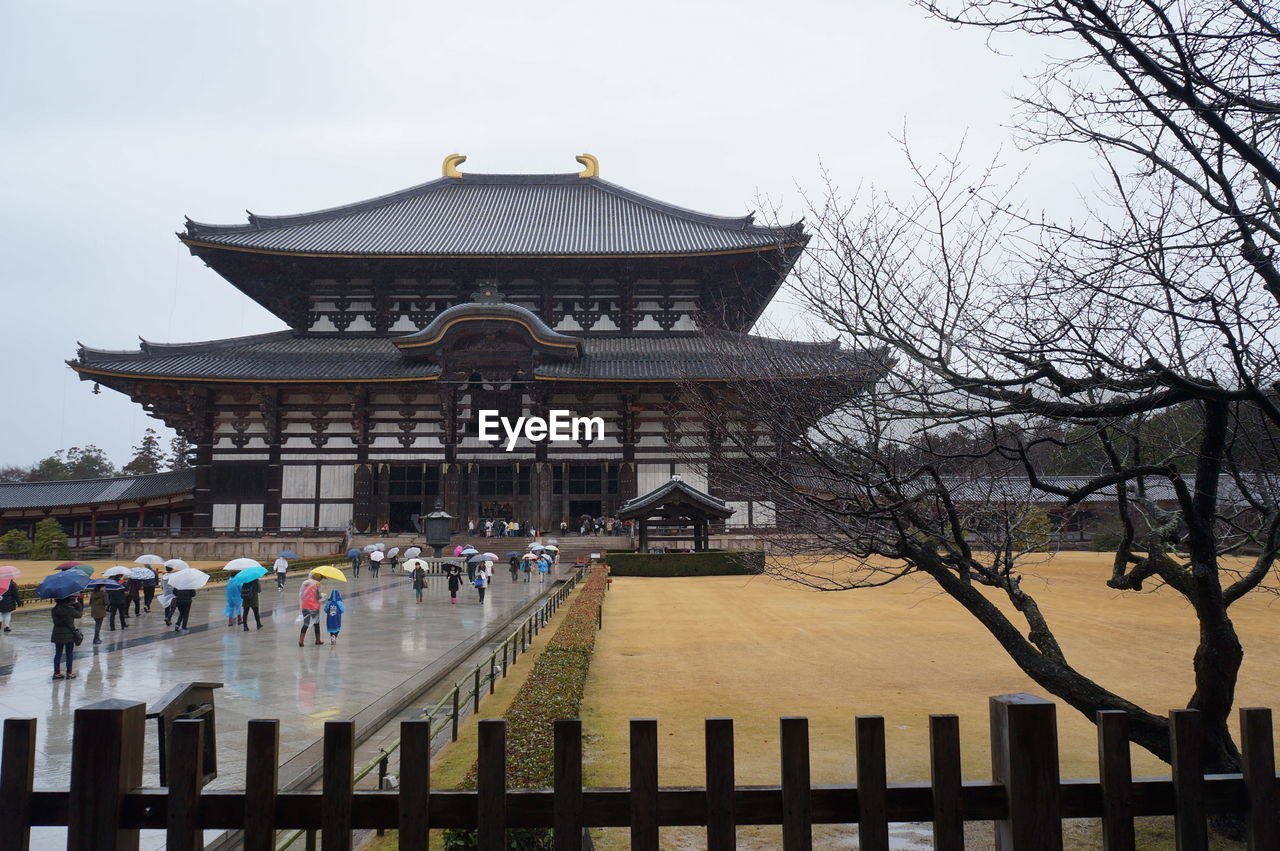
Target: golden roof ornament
(451,163)
(591,165)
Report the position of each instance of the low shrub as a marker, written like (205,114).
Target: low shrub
(706,563)
(15,544)
(553,690)
(50,541)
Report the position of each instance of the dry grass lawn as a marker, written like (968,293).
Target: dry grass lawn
(681,650)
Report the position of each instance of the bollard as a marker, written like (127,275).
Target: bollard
(475,692)
(455,713)
(493,671)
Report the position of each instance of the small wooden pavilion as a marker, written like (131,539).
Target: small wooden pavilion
(676,509)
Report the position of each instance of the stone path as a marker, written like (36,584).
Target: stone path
(386,640)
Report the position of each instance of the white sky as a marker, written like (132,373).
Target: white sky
(118,119)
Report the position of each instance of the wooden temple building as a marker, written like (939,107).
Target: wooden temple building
(409,314)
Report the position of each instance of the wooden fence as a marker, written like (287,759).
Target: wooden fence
(104,806)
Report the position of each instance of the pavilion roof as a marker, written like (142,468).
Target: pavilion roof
(287,356)
(500,215)
(95,491)
(674,491)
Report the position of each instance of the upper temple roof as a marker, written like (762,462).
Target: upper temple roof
(499,215)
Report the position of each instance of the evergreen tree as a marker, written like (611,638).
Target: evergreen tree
(51,541)
(179,453)
(15,544)
(148,457)
(88,462)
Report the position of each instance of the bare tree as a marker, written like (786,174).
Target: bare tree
(1041,340)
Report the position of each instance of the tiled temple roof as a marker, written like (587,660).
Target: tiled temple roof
(508,215)
(95,491)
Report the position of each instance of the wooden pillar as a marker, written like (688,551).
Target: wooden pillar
(202,494)
(1024,758)
(93,527)
(106,764)
(275,483)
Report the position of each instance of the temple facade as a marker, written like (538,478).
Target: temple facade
(442,343)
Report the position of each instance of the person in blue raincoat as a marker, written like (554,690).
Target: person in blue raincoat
(233,609)
(333,609)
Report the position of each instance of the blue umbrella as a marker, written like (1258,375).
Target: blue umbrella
(65,583)
(248,575)
(288,554)
(109,584)
(354,551)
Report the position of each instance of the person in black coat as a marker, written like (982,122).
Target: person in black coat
(65,613)
(454,573)
(149,589)
(9,600)
(118,603)
(249,592)
(182,598)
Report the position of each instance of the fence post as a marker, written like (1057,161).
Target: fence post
(797,828)
(567,768)
(261,780)
(106,763)
(945,781)
(337,786)
(1190,825)
(721,807)
(456,709)
(475,691)
(415,783)
(644,784)
(185,776)
(1024,758)
(873,815)
(491,785)
(1115,776)
(493,670)
(17,780)
(1260,778)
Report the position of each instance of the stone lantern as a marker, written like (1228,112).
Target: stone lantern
(437,529)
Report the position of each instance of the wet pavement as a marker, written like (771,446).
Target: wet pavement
(386,639)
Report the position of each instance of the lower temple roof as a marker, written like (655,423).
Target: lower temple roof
(285,356)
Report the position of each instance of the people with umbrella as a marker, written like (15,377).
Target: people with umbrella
(10,600)
(184,584)
(118,604)
(98,604)
(281,568)
(66,611)
(250,591)
(149,584)
(232,610)
(309,605)
(375,562)
(166,593)
(418,577)
(355,554)
(513,558)
(454,574)
(333,609)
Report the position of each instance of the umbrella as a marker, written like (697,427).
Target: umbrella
(457,550)
(288,554)
(240,564)
(248,575)
(413,552)
(86,569)
(413,564)
(552,541)
(393,552)
(8,571)
(552,547)
(148,559)
(354,551)
(108,584)
(376,555)
(512,554)
(330,572)
(529,557)
(368,548)
(67,565)
(66,583)
(188,580)
(176,564)
(141,573)
(4,585)
(467,551)
(533,548)
(118,570)
(489,556)
(379,546)
(478,558)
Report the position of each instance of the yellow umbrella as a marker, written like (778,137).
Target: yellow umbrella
(330,573)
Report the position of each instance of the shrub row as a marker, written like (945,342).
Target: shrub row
(706,563)
(553,690)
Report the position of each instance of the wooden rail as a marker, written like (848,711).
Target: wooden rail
(104,806)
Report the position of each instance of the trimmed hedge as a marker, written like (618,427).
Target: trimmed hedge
(553,690)
(706,563)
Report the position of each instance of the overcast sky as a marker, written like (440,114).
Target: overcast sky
(119,119)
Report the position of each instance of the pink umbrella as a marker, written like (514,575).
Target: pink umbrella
(456,551)
(9,572)
(4,585)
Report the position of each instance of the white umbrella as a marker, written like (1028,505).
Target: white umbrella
(552,541)
(379,546)
(552,547)
(413,552)
(536,547)
(240,564)
(393,552)
(176,564)
(376,555)
(187,580)
(368,548)
(148,559)
(141,573)
(413,564)
(529,557)
(118,570)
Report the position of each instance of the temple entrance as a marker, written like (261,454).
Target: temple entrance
(578,507)
(409,488)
